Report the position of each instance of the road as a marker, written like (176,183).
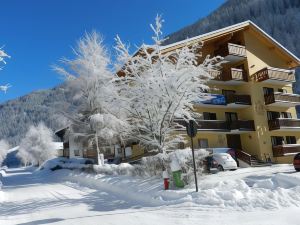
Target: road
(30,198)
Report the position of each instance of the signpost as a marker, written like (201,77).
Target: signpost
(191,129)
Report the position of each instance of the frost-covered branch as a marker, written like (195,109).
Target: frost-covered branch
(90,74)
(160,86)
(3,56)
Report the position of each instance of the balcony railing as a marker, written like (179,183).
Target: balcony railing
(282,150)
(284,123)
(214,99)
(242,125)
(238,99)
(222,100)
(270,73)
(222,125)
(282,97)
(232,74)
(231,49)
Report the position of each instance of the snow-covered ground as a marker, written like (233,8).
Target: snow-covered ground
(266,196)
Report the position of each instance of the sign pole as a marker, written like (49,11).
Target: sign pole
(195,174)
(192,132)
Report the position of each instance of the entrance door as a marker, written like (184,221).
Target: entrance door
(234,141)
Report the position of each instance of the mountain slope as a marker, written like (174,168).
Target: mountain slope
(46,105)
(279,18)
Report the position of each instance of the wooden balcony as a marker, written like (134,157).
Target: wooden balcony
(238,101)
(232,76)
(282,99)
(274,76)
(284,124)
(242,125)
(238,126)
(231,52)
(283,150)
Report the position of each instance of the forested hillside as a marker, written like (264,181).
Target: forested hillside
(45,105)
(279,18)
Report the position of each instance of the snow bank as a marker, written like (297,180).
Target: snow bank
(265,192)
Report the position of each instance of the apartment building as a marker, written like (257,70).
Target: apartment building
(252,104)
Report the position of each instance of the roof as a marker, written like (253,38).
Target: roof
(231,29)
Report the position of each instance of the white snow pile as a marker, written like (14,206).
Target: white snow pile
(270,192)
(155,165)
(64,163)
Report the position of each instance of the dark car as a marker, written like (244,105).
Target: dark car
(297,162)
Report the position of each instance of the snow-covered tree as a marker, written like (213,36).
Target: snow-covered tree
(37,146)
(4,147)
(3,55)
(158,86)
(100,117)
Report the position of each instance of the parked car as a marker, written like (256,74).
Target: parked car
(221,161)
(297,162)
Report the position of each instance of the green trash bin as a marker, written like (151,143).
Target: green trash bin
(177,178)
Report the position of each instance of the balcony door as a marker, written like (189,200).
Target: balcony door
(234,141)
(268,91)
(277,140)
(231,116)
(273,115)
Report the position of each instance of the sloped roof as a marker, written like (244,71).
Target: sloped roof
(230,29)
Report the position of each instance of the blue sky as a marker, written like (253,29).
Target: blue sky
(38,33)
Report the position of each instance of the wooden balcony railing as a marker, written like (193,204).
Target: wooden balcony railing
(238,99)
(274,74)
(222,125)
(244,156)
(282,97)
(234,74)
(281,150)
(231,49)
(280,123)
(242,125)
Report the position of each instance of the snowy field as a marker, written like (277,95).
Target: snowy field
(266,196)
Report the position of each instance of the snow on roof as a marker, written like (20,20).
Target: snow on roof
(225,29)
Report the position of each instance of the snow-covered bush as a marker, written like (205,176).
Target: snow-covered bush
(159,86)
(37,146)
(155,165)
(4,147)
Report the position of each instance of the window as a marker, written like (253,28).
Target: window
(228,92)
(76,153)
(282,90)
(277,140)
(209,116)
(291,140)
(286,115)
(273,115)
(203,143)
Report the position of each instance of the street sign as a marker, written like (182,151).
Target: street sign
(191,128)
